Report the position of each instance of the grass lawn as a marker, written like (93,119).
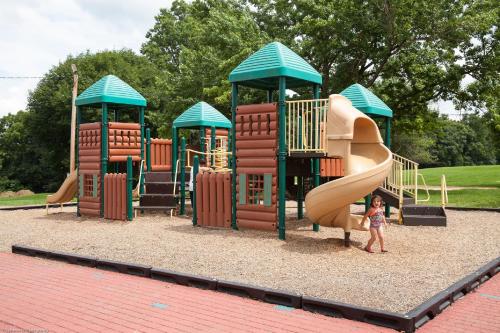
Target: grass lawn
(469,176)
(36,199)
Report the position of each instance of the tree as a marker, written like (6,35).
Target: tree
(41,158)
(196,45)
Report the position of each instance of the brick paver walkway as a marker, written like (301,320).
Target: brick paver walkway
(478,311)
(48,296)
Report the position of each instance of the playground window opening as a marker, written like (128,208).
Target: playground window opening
(255,189)
(89,185)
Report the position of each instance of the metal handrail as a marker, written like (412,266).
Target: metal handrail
(175,175)
(217,152)
(444,191)
(137,188)
(426,190)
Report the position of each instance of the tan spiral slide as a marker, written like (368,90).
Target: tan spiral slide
(355,137)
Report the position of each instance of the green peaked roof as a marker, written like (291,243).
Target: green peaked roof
(202,114)
(110,89)
(366,101)
(263,69)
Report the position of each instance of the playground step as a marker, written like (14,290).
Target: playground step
(166,209)
(392,199)
(158,177)
(158,200)
(414,215)
(160,187)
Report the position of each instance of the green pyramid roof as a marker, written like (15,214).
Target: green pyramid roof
(202,114)
(263,69)
(366,101)
(110,89)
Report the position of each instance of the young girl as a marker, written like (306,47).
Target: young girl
(377,218)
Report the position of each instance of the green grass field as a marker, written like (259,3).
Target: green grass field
(472,176)
(36,199)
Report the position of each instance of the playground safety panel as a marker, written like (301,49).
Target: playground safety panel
(161,154)
(256,166)
(331,167)
(115,196)
(89,169)
(124,140)
(213,204)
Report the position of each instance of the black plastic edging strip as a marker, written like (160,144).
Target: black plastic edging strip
(37,206)
(267,295)
(184,279)
(437,303)
(402,322)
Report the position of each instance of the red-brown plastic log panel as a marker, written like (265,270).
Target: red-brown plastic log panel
(161,154)
(213,199)
(89,159)
(115,197)
(332,167)
(256,155)
(124,139)
(218,132)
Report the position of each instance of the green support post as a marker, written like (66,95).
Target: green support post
(388,145)
(229,147)
(175,150)
(141,172)
(148,149)
(300,184)
(234,104)
(196,168)
(270,96)
(104,152)
(282,158)
(183,176)
(212,145)
(77,157)
(129,188)
(316,160)
(368,202)
(202,142)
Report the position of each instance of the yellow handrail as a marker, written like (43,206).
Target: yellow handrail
(425,188)
(220,157)
(444,191)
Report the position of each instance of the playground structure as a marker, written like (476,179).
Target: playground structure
(329,147)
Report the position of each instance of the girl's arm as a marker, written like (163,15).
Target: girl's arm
(368,213)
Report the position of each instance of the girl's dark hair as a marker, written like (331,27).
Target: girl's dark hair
(376,196)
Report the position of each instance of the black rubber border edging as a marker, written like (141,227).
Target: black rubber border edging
(408,322)
(37,206)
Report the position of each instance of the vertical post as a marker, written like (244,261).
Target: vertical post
(183,176)
(73,119)
(129,188)
(141,172)
(196,168)
(104,151)
(270,96)
(282,159)
(77,160)
(202,143)
(316,160)
(388,145)
(368,202)
(229,147)
(300,185)
(148,149)
(212,146)
(234,104)
(174,150)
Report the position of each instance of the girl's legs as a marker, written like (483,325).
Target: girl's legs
(373,238)
(380,232)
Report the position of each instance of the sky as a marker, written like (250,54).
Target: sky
(36,35)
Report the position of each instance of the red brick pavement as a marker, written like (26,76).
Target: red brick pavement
(478,311)
(48,296)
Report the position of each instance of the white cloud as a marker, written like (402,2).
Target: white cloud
(38,34)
